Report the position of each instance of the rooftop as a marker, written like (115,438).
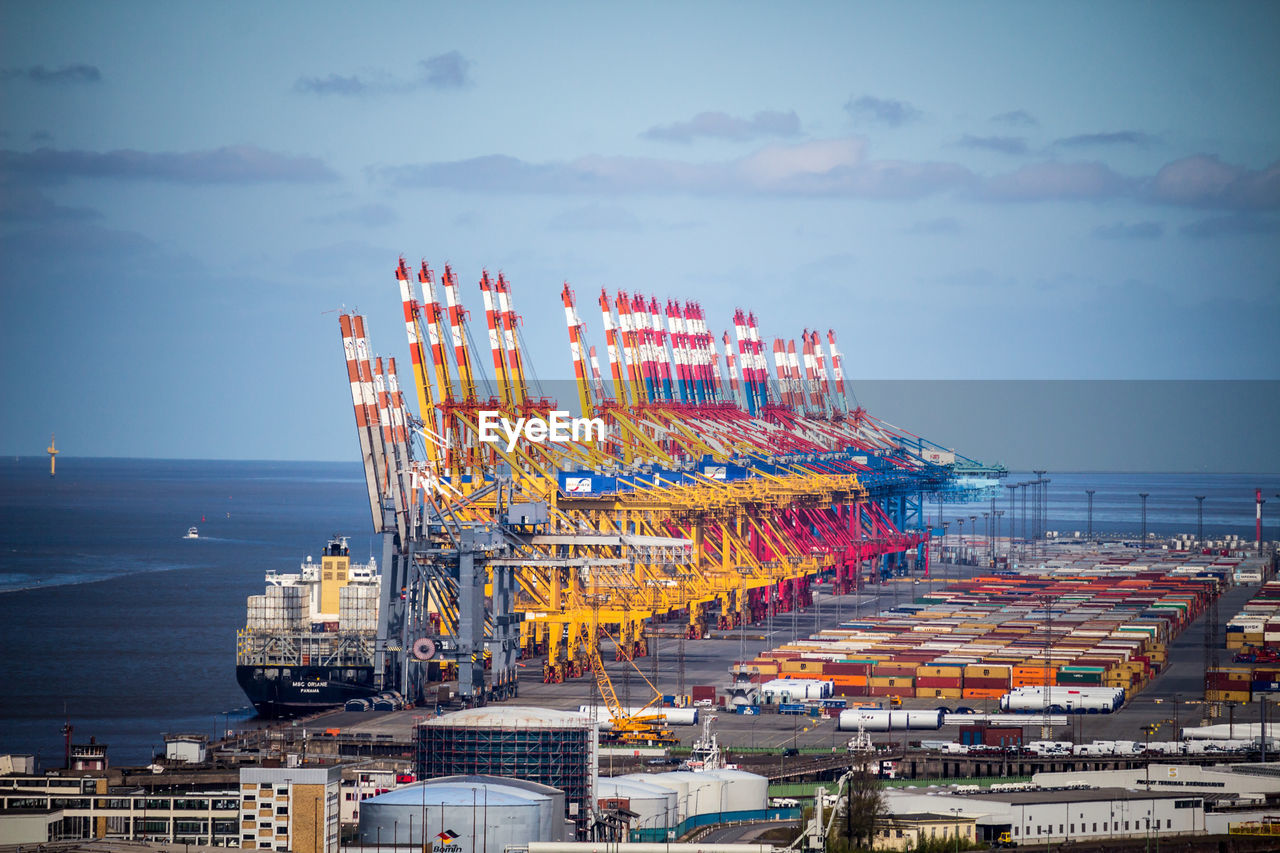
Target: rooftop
(1078,795)
(512,716)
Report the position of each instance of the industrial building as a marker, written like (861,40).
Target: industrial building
(910,831)
(555,748)
(283,808)
(290,808)
(1040,816)
(1223,781)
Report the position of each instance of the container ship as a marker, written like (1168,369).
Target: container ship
(307,643)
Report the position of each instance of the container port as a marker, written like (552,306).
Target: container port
(724,604)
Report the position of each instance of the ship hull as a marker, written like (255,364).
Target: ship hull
(305,689)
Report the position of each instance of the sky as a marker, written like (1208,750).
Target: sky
(191,193)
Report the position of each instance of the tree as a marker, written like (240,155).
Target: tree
(863,805)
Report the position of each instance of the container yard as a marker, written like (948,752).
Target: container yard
(1079,633)
(1253,641)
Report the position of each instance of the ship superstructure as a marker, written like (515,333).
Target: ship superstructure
(307,642)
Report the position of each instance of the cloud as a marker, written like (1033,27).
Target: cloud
(1055,181)
(718,125)
(1205,181)
(1136,231)
(446,70)
(833,167)
(1016,118)
(1122,137)
(368,215)
(596,217)
(843,168)
(41,136)
(234,164)
(941,225)
(334,84)
(1001,144)
(449,70)
(886,110)
(1235,225)
(67,75)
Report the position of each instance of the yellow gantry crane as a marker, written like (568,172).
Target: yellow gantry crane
(671,536)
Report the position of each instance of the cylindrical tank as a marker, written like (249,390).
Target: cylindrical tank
(671,716)
(556,748)
(742,791)
(556,828)
(880,720)
(677,785)
(697,793)
(656,806)
(458,817)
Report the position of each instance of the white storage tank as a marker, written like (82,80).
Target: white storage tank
(671,782)
(557,827)
(656,806)
(698,793)
(743,791)
(476,817)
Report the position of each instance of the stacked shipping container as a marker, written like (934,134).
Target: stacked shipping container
(1108,625)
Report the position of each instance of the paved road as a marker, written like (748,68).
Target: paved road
(742,833)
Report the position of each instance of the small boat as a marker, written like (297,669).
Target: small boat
(192,533)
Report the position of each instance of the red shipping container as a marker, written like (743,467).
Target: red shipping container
(835,668)
(933,682)
(849,689)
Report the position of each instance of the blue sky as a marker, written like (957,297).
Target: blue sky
(189,193)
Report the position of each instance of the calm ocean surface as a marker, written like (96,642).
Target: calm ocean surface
(108,613)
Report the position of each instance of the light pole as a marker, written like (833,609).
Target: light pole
(1013,515)
(956,812)
(1200,520)
(1089,534)
(1144,496)
(1040,504)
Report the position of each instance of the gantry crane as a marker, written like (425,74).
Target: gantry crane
(713,496)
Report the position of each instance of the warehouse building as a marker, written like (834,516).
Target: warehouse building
(1059,815)
(1222,780)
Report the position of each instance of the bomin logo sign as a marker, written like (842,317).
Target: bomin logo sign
(446,842)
